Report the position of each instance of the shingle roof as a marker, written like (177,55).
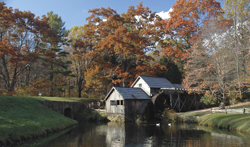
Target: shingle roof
(155,82)
(179,86)
(129,93)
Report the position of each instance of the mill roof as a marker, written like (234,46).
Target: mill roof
(155,82)
(129,93)
(179,86)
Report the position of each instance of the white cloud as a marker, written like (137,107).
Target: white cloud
(165,15)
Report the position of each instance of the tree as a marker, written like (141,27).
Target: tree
(173,74)
(54,52)
(185,23)
(79,48)
(209,66)
(21,35)
(238,12)
(121,42)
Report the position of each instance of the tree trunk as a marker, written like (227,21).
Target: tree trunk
(79,84)
(51,77)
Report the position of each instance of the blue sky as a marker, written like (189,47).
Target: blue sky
(75,12)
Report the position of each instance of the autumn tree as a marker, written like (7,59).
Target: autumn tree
(210,66)
(79,48)
(238,12)
(21,35)
(185,22)
(121,42)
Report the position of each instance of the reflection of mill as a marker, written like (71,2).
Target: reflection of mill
(115,134)
(148,135)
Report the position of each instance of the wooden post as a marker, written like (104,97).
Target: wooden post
(69,88)
(226,110)
(211,110)
(244,110)
(179,103)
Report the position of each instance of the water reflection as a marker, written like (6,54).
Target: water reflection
(148,135)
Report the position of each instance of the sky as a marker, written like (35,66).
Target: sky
(75,12)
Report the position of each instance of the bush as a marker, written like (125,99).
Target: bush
(169,115)
(209,99)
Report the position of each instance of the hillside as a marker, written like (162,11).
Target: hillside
(24,118)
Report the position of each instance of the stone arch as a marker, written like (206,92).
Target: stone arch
(68,112)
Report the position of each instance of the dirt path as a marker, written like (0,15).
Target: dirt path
(231,106)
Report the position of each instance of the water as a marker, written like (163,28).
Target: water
(148,135)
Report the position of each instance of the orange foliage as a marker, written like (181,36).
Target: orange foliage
(17,54)
(120,43)
(184,24)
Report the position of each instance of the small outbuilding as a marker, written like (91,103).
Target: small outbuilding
(126,102)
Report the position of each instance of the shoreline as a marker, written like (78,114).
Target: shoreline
(234,122)
(25,119)
(26,139)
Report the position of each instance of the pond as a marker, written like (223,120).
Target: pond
(148,135)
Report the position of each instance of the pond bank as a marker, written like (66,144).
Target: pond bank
(236,122)
(23,119)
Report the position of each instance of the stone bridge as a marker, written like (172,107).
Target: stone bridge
(67,109)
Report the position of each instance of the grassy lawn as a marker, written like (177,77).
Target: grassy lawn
(195,113)
(71,99)
(207,111)
(24,117)
(239,122)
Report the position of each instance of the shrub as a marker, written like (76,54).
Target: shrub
(209,99)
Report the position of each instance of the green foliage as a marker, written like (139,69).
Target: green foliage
(56,62)
(209,99)
(87,114)
(173,74)
(57,24)
(169,115)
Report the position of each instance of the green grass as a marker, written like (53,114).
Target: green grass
(71,99)
(195,113)
(241,107)
(239,122)
(25,118)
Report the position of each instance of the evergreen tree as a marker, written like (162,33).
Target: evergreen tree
(55,54)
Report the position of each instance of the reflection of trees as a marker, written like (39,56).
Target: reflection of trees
(132,134)
(86,135)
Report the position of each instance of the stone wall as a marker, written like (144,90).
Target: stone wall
(188,119)
(116,117)
(65,108)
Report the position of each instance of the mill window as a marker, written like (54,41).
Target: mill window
(112,102)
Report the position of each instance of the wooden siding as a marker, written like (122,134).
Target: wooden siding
(114,108)
(144,86)
(133,108)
